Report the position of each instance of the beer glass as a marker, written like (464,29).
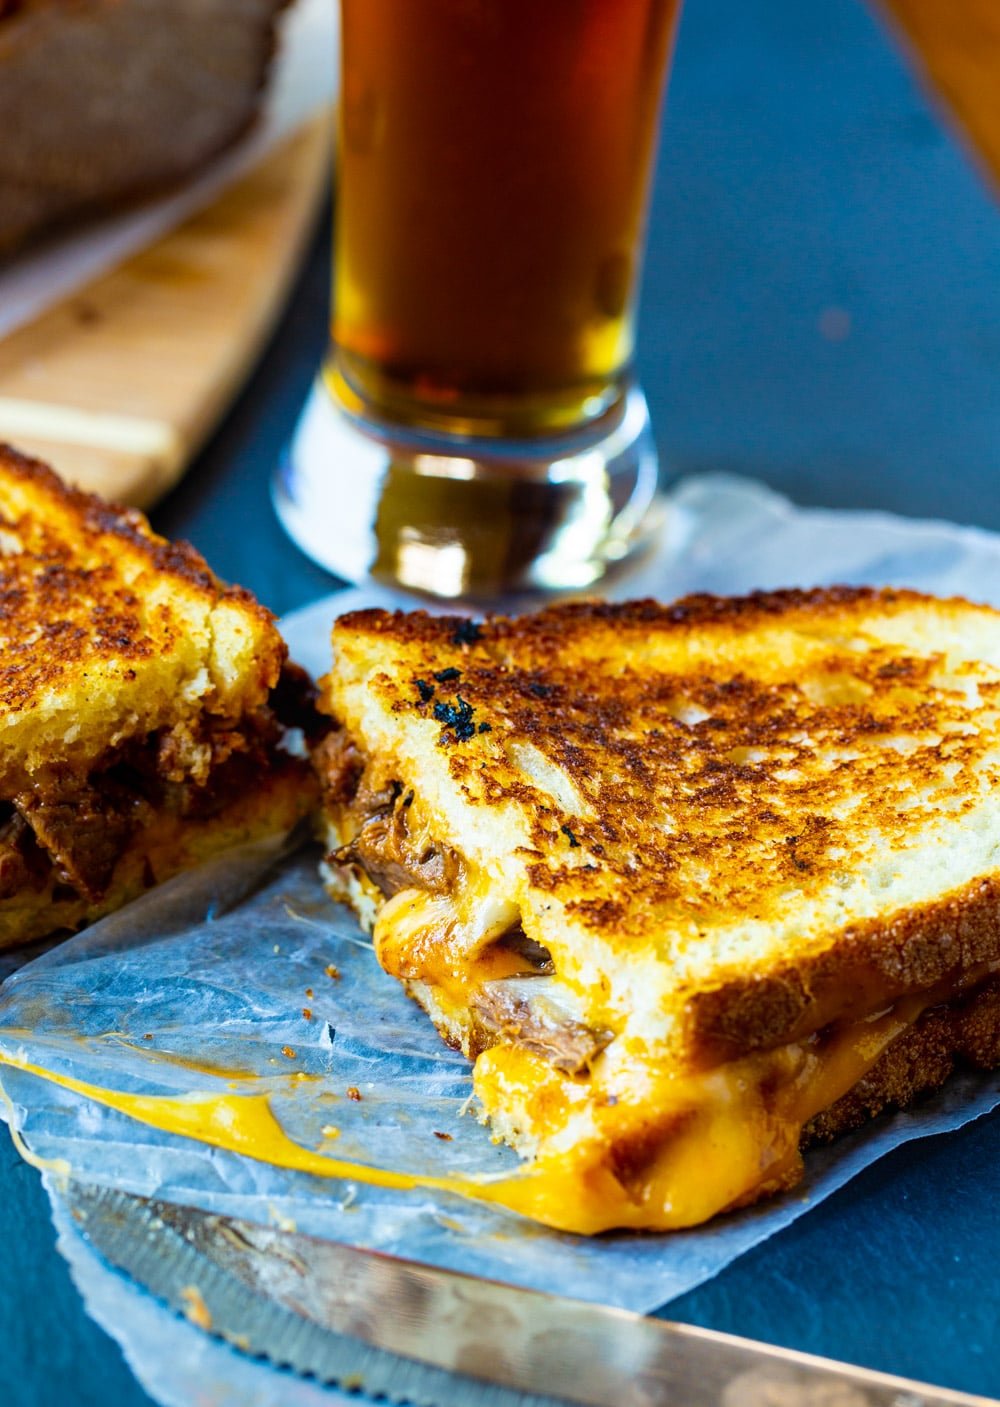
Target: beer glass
(477,427)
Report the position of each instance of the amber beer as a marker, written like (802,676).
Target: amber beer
(494,172)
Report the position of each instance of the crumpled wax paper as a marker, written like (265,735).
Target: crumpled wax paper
(304,79)
(215,968)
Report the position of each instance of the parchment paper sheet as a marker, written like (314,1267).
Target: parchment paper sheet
(228,990)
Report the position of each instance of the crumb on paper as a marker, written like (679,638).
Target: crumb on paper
(309,993)
(332,971)
(288,1051)
(466,1104)
(280,1220)
(148,1036)
(330,1131)
(444,1137)
(196,1311)
(307,1013)
(451,1223)
(354,1093)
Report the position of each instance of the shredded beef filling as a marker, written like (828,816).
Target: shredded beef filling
(527,1009)
(537,959)
(385,851)
(24,866)
(71,831)
(83,834)
(382,844)
(339,765)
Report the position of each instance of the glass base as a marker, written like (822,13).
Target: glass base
(468,517)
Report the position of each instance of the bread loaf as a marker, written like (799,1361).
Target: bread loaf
(106,101)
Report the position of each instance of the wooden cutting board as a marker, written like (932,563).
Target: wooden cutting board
(119,385)
(957,43)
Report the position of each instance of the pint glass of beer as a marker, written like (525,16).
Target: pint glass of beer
(477,427)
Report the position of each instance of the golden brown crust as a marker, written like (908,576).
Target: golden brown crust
(96,518)
(63,602)
(866,965)
(575,620)
(751,838)
(144,707)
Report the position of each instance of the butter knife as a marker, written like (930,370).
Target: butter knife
(416,1334)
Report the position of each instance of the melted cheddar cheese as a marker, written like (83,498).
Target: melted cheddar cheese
(642,1146)
(667,1151)
(634,1140)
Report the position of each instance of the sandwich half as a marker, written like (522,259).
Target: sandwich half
(694,885)
(145,708)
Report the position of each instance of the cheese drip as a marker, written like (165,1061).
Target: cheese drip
(714,1139)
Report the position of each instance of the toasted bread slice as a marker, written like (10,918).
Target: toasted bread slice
(137,733)
(639,859)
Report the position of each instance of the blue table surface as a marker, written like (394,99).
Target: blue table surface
(806,186)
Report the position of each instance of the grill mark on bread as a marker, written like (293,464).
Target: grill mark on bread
(146,708)
(111,633)
(95,516)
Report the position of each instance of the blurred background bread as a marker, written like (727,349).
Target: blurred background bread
(104,101)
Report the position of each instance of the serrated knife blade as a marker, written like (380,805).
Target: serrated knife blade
(416,1334)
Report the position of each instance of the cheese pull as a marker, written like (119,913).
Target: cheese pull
(636,1148)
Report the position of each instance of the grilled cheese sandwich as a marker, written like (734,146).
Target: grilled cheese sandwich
(144,708)
(693,885)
